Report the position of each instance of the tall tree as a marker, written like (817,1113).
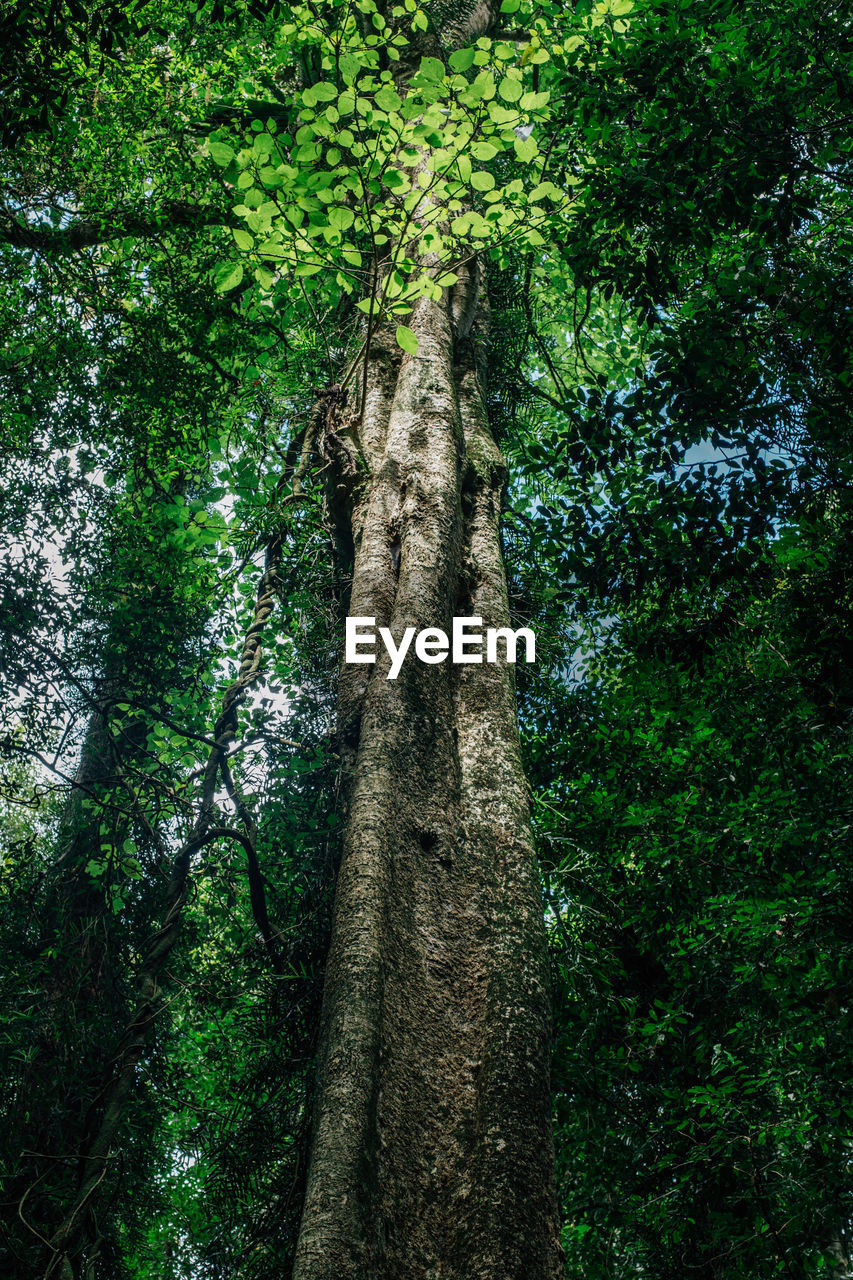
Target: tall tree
(432,1140)
(457,1137)
(445,237)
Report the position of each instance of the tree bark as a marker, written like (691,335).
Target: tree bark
(432,1151)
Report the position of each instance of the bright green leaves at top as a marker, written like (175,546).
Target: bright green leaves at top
(608,20)
(387,99)
(372,162)
(526,149)
(341,218)
(320,92)
(510,88)
(227,276)
(431,69)
(220,152)
(461,59)
(406,339)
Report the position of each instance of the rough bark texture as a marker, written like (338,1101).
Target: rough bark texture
(432,1152)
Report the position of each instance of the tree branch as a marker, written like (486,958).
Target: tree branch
(40,238)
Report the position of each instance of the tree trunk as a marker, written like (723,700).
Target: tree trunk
(432,1151)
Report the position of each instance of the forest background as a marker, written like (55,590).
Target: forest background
(208,218)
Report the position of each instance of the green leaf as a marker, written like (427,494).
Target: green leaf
(510,89)
(526,149)
(228,276)
(502,115)
(482,180)
(431,69)
(340,217)
(220,152)
(388,99)
(461,60)
(535,101)
(243,239)
(406,339)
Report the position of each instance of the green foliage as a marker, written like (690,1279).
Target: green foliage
(209,212)
(694,835)
(691,499)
